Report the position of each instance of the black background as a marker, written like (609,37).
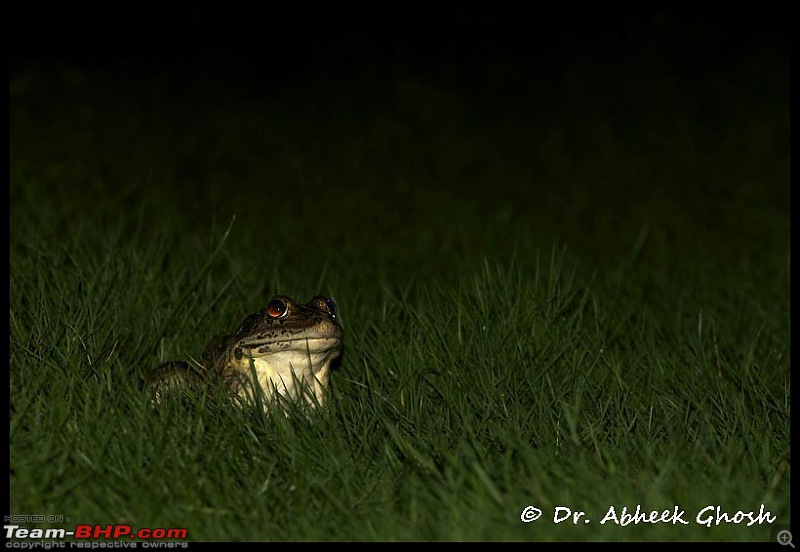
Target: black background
(282,45)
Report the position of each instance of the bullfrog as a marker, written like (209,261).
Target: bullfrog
(284,349)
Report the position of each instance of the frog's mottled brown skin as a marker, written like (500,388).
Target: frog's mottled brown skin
(284,349)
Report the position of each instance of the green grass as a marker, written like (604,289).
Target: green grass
(589,312)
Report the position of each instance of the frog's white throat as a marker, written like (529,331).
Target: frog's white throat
(295,375)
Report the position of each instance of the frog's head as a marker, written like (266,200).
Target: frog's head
(288,342)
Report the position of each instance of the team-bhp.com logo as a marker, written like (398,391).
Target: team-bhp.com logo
(84,531)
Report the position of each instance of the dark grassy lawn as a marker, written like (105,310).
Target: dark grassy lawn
(577,298)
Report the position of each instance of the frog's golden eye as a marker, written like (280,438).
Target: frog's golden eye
(277,308)
(332,308)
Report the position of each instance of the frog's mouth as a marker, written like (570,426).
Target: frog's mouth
(302,345)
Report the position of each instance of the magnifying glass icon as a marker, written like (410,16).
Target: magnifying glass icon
(785,538)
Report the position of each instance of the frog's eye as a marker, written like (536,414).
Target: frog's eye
(277,308)
(332,308)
